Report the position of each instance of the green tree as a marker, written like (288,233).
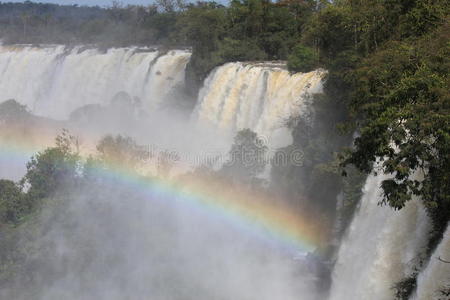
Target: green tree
(240,50)
(402,96)
(202,27)
(120,151)
(11,202)
(12,111)
(51,169)
(247,157)
(302,59)
(389,63)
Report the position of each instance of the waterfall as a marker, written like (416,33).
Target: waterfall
(382,247)
(256,96)
(55,80)
(435,278)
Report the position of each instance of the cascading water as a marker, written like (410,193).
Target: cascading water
(53,81)
(256,96)
(382,247)
(434,281)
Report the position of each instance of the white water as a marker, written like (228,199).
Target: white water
(436,275)
(53,81)
(257,96)
(382,246)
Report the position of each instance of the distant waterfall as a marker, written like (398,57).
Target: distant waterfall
(256,96)
(53,81)
(381,247)
(435,277)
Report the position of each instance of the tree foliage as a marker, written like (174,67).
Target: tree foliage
(302,59)
(388,62)
(120,151)
(247,157)
(11,110)
(246,30)
(52,168)
(11,202)
(388,65)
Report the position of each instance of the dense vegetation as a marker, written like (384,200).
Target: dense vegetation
(388,64)
(387,61)
(390,69)
(245,30)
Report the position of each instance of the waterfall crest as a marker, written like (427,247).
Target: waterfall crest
(382,246)
(55,80)
(256,96)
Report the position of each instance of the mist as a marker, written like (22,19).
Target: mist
(109,238)
(113,241)
(257,150)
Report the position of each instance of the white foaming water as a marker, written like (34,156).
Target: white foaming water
(53,81)
(257,96)
(382,246)
(435,277)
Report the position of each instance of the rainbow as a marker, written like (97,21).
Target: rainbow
(258,214)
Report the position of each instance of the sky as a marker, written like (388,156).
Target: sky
(87,2)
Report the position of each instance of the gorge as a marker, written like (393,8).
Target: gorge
(173,251)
